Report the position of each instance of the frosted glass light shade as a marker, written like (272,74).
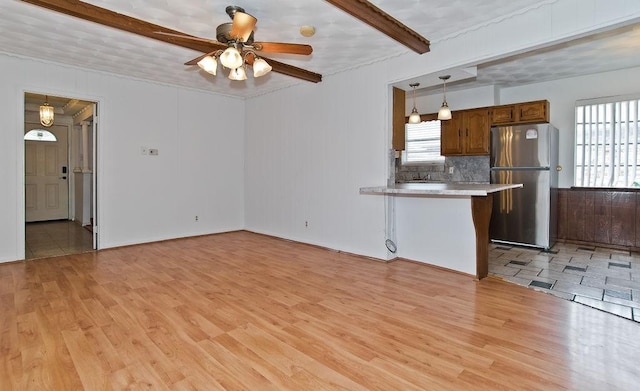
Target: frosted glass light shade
(238,74)
(414,118)
(231,58)
(445,112)
(46,115)
(260,67)
(208,64)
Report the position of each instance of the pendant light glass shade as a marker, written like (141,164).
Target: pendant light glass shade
(260,67)
(238,74)
(445,112)
(231,58)
(46,115)
(414,117)
(208,64)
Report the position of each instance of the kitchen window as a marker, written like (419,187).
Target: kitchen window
(422,143)
(608,142)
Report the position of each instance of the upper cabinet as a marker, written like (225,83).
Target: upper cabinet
(521,113)
(466,133)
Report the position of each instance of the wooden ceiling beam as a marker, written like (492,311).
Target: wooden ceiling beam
(383,22)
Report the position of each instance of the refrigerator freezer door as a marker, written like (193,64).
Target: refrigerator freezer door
(522,216)
(520,146)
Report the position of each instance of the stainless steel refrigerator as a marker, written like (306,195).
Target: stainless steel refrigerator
(526,154)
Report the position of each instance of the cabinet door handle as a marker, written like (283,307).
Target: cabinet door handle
(459,133)
(467,134)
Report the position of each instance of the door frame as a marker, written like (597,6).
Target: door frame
(20,175)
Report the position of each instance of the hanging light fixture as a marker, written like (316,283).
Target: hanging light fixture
(46,113)
(414,117)
(445,112)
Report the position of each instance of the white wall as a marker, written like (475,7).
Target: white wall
(199,171)
(309,150)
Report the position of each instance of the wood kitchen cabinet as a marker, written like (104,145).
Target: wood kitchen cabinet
(521,113)
(466,133)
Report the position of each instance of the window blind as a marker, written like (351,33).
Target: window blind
(423,142)
(607,144)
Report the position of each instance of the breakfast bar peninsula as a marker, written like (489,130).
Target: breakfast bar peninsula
(445,224)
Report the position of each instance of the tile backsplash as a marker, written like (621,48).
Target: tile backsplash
(465,169)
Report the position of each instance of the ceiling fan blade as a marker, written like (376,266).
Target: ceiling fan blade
(292,71)
(287,69)
(380,20)
(242,26)
(281,47)
(109,18)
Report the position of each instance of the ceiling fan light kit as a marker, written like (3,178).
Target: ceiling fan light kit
(445,112)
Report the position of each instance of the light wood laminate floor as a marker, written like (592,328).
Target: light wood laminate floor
(241,311)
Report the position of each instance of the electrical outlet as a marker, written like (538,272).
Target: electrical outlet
(144,151)
(306,224)
(196,218)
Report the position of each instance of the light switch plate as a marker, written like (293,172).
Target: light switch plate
(153,152)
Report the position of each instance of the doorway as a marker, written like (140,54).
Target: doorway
(59,176)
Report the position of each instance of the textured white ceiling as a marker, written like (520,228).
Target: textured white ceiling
(341,41)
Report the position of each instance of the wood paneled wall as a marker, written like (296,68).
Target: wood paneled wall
(600,216)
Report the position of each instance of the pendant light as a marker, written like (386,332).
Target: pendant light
(414,118)
(46,113)
(445,112)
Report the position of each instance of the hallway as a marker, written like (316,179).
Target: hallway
(55,238)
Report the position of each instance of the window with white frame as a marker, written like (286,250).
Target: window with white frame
(422,143)
(608,142)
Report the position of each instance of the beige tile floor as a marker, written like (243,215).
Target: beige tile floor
(602,278)
(54,238)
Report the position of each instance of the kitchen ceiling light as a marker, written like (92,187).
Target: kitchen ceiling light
(414,118)
(445,112)
(46,113)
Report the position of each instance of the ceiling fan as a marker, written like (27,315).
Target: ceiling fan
(235,40)
(239,34)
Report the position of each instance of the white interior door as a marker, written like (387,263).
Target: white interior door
(46,176)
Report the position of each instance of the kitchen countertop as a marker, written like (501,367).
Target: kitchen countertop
(442,189)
